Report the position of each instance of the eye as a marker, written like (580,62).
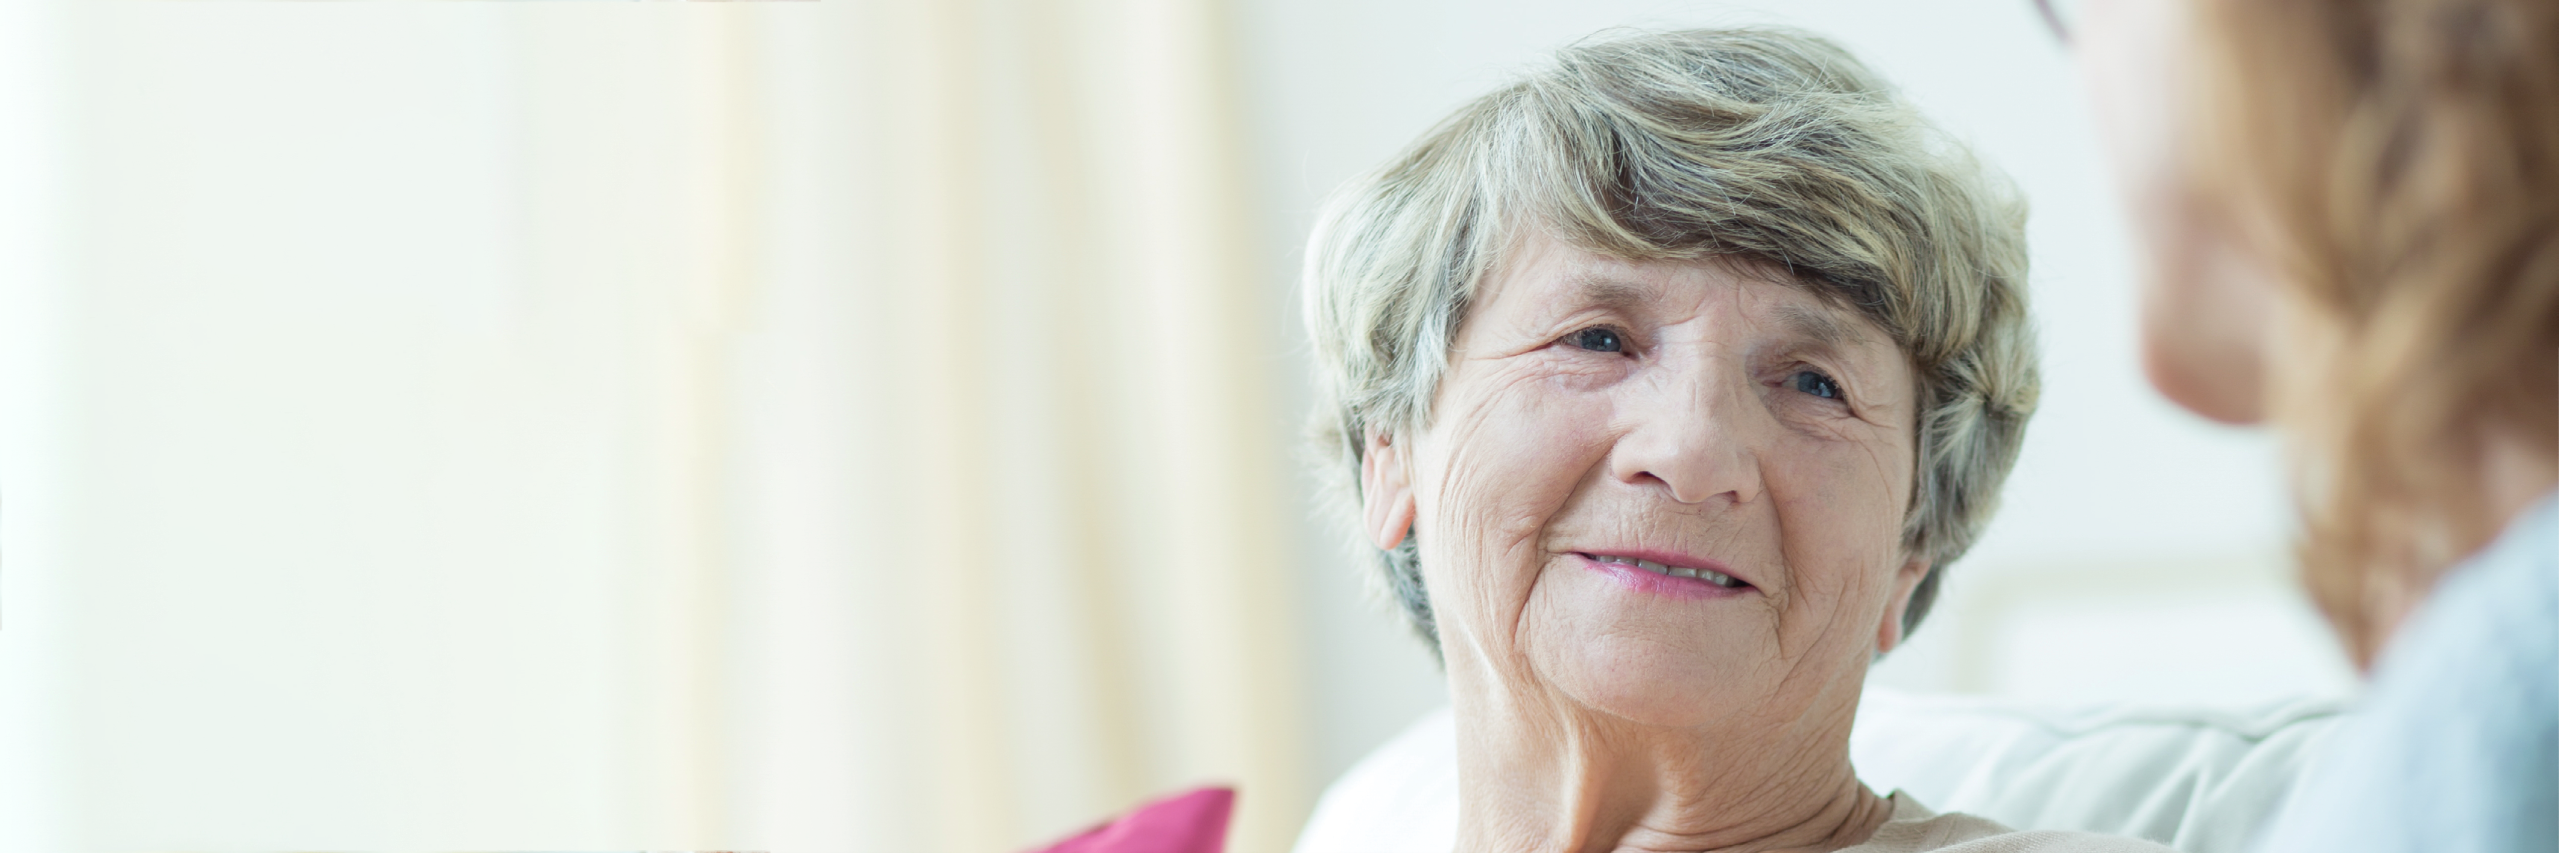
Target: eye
(1814,383)
(1599,339)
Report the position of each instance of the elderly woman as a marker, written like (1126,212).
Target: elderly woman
(1671,379)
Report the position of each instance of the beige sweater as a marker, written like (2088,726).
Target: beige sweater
(1915,829)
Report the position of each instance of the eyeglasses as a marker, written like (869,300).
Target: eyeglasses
(2061,15)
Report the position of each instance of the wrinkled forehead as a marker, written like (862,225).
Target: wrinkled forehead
(1545,272)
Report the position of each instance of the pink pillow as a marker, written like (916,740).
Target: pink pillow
(1191,822)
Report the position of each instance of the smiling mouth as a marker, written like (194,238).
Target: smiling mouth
(1708,575)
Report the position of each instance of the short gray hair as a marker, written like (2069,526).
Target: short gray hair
(1763,145)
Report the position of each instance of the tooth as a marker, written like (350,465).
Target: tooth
(1650,566)
(1716,578)
(1683,573)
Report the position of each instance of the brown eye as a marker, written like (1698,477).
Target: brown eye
(1599,340)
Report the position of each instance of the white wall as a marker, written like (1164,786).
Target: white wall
(33,667)
(2139,554)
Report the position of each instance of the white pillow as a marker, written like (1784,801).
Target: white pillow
(2198,779)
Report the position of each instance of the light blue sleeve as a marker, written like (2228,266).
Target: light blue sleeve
(2456,746)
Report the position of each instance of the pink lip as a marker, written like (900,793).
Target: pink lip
(1659,584)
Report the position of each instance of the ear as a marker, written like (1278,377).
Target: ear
(1386,492)
(1905,581)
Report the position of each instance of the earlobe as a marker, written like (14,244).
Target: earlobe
(1905,582)
(1386,493)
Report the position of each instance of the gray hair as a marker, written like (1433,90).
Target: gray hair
(1762,145)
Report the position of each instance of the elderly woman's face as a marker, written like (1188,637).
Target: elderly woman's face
(1672,491)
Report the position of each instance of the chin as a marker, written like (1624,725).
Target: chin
(1646,683)
(2224,390)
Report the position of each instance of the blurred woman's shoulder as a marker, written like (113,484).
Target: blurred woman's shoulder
(2456,745)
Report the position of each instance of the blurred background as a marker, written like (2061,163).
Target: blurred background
(852,425)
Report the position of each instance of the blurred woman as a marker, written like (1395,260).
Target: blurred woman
(2352,213)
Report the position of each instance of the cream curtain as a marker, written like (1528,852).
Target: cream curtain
(1012,442)
(831,426)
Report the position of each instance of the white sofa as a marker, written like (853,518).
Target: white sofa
(2198,779)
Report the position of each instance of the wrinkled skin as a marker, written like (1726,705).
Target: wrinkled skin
(1740,421)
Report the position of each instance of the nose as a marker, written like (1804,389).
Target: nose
(1693,434)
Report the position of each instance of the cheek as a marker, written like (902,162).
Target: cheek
(1840,509)
(2129,60)
(1499,462)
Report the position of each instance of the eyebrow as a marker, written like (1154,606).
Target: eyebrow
(1821,327)
(1616,293)
(1824,328)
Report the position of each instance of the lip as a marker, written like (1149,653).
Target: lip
(1640,580)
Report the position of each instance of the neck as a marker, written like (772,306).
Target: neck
(1536,774)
